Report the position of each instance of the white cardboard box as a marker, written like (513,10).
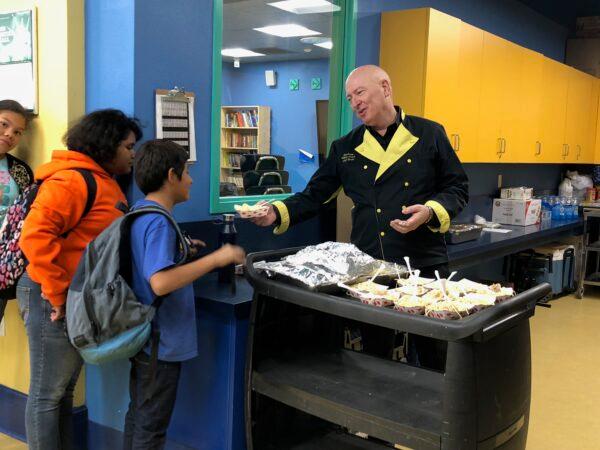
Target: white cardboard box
(516,212)
(521,193)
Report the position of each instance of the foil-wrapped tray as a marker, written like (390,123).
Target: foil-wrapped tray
(321,267)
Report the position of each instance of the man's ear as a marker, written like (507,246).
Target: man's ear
(387,88)
(172,176)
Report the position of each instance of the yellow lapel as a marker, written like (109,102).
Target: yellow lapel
(370,148)
(402,142)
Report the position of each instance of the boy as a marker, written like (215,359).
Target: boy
(162,175)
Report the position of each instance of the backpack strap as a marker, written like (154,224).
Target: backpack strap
(92,190)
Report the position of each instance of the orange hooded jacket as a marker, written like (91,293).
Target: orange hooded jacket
(57,209)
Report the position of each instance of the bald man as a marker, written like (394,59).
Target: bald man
(400,171)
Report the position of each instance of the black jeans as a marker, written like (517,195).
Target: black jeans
(151,403)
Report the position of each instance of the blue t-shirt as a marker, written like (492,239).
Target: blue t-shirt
(154,248)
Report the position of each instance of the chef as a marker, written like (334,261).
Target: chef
(400,172)
(406,184)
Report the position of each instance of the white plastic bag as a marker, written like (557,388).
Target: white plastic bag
(565,188)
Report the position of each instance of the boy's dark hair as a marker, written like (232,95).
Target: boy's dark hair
(16,107)
(153,161)
(99,134)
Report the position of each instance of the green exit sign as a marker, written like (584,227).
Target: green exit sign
(294,84)
(315,84)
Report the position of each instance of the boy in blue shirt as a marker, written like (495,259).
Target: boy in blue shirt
(162,175)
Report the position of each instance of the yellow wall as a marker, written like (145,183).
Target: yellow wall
(61,100)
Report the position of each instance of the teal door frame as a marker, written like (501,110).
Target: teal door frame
(339,114)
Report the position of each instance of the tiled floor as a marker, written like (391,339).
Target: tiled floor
(565,407)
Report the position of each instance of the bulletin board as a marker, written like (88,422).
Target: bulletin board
(175,118)
(18,57)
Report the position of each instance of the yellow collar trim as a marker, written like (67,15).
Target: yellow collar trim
(402,142)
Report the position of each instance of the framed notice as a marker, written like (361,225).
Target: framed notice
(18,67)
(175,119)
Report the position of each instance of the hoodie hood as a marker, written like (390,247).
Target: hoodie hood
(66,160)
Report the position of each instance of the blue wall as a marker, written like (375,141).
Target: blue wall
(293,113)
(509,19)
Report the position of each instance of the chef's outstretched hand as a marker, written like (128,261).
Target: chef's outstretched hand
(266,220)
(419,214)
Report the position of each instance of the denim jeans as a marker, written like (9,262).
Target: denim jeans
(54,369)
(151,403)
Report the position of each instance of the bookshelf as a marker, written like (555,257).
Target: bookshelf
(244,129)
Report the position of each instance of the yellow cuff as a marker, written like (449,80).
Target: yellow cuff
(284,214)
(442,216)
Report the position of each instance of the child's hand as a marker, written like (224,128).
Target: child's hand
(230,254)
(197,244)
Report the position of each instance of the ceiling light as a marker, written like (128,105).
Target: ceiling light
(327,44)
(306,6)
(239,52)
(289,30)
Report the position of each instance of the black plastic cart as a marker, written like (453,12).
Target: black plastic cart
(306,391)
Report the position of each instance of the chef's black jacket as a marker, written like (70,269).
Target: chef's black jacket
(419,166)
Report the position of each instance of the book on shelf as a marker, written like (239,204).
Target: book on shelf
(237,139)
(241,119)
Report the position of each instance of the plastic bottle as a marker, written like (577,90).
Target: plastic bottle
(569,209)
(556,209)
(575,206)
(227,235)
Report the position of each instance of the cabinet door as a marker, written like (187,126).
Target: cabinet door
(469,86)
(530,100)
(597,137)
(553,113)
(441,84)
(494,82)
(577,119)
(514,115)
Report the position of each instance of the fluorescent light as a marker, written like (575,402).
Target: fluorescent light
(288,30)
(306,6)
(327,44)
(239,52)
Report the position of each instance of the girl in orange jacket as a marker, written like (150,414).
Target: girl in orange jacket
(53,238)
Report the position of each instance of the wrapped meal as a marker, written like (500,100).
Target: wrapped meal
(448,309)
(479,301)
(411,304)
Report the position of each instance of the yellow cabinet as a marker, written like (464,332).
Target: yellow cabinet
(555,82)
(497,101)
(596,108)
(579,123)
(500,107)
(434,62)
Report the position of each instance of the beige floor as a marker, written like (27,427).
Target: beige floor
(565,406)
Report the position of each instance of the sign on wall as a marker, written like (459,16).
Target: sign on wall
(18,69)
(175,119)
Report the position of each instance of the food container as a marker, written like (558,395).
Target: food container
(463,232)
(590,194)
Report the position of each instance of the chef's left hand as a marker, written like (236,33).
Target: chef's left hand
(419,214)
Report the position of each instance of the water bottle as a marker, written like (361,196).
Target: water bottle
(556,209)
(575,206)
(568,209)
(227,235)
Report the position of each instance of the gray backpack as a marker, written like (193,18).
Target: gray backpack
(105,320)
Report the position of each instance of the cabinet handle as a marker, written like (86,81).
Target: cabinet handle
(564,152)
(453,136)
(458,142)
(499,152)
(578,151)
(568,149)
(503,145)
(538,146)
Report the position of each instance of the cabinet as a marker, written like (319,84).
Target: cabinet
(498,101)
(597,109)
(443,72)
(244,129)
